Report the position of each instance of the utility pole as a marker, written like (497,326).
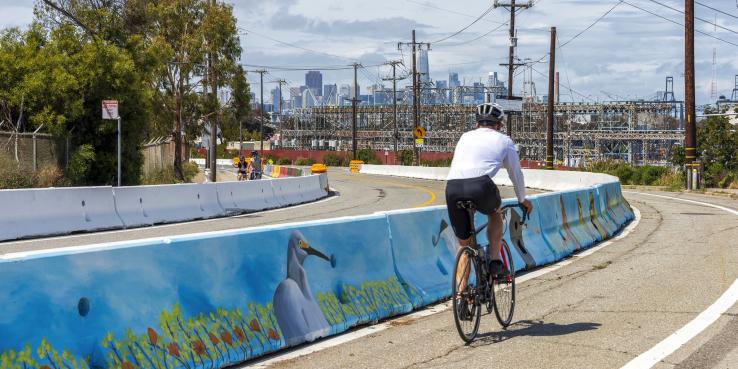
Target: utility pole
(261,112)
(280,82)
(690,131)
(212,61)
(550,111)
(354,102)
(513,44)
(394,80)
(416,82)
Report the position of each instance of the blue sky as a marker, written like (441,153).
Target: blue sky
(627,54)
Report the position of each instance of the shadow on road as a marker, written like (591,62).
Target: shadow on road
(532,328)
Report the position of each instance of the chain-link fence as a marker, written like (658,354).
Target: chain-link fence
(33,151)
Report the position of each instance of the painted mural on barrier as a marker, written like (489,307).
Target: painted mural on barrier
(208,301)
(187,303)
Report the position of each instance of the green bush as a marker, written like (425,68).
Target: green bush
(304,161)
(80,163)
(189,170)
(405,157)
(436,163)
(163,176)
(672,180)
(368,156)
(335,160)
(13,176)
(283,161)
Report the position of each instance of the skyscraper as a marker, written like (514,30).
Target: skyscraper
(330,93)
(276,99)
(423,67)
(453,80)
(314,81)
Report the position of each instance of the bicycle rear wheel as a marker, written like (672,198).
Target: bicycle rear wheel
(504,289)
(465,294)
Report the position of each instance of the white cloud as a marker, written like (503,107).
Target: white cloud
(628,53)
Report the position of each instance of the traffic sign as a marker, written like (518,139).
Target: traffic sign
(419,142)
(110,109)
(419,132)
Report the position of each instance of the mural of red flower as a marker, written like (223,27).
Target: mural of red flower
(153,336)
(127,365)
(273,334)
(199,347)
(226,337)
(254,325)
(239,334)
(173,349)
(213,338)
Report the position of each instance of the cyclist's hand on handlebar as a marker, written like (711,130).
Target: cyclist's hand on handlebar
(527,205)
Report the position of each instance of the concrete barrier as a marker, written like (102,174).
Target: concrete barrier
(217,298)
(48,211)
(147,205)
(297,190)
(246,196)
(210,300)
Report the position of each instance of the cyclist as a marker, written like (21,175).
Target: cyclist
(478,156)
(242,168)
(255,165)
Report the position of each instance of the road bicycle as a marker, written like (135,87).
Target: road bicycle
(472,285)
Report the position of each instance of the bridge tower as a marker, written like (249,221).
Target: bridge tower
(734,95)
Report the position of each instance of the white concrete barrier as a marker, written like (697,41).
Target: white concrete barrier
(297,190)
(551,180)
(147,205)
(47,211)
(218,162)
(246,196)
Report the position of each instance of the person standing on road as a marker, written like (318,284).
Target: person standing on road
(242,168)
(478,156)
(255,165)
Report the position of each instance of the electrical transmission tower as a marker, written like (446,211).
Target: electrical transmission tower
(394,79)
(417,46)
(513,44)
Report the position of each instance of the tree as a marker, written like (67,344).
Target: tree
(238,108)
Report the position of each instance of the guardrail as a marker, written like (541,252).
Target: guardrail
(54,211)
(214,299)
(283,171)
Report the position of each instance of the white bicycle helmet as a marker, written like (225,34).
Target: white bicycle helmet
(489,113)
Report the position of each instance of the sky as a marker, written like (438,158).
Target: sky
(626,55)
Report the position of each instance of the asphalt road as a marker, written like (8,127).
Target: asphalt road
(356,194)
(598,311)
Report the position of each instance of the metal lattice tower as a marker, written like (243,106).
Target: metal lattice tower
(734,95)
(639,132)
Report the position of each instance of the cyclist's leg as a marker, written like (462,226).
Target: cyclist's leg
(494,235)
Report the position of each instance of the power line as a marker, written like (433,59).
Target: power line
(679,24)
(305,68)
(698,18)
(717,10)
(295,46)
(448,10)
(592,25)
(465,28)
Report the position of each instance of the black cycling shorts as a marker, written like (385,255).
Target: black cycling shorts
(481,190)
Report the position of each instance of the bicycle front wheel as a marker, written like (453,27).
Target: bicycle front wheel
(504,289)
(465,294)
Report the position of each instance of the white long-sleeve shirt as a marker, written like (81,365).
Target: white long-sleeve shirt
(484,151)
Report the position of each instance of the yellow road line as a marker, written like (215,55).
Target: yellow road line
(431,193)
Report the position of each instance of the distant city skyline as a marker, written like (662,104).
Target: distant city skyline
(639,52)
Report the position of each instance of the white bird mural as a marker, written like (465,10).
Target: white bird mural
(447,234)
(298,315)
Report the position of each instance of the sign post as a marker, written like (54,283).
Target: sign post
(110,112)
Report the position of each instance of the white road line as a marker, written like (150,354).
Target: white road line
(159,226)
(434,309)
(697,325)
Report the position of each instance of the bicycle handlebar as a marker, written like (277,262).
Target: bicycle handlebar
(526,216)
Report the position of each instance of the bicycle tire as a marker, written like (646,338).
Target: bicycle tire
(466,302)
(503,291)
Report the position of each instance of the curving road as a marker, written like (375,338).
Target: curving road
(357,194)
(597,311)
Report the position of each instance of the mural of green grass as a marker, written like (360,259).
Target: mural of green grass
(222,338)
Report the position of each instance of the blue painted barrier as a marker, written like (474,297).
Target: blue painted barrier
(424,249)
(211,300)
